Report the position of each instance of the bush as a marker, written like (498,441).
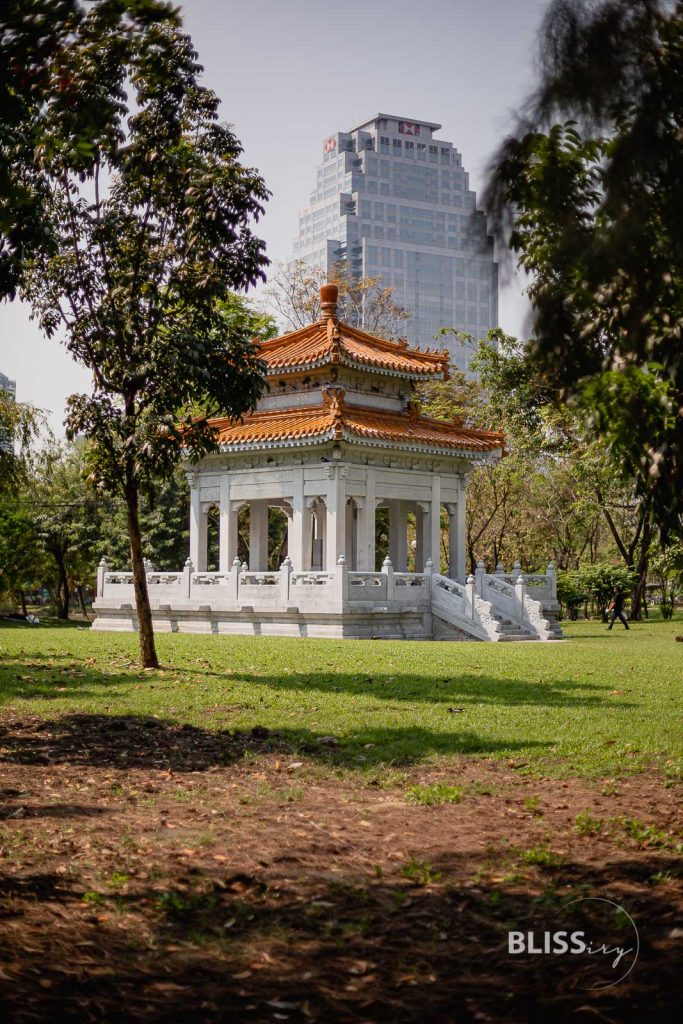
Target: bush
(570,593)
(594,583)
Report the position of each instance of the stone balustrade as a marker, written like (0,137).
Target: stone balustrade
(474,607)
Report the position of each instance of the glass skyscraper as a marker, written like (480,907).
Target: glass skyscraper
(392,200)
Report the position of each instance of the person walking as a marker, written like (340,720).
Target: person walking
(616,608)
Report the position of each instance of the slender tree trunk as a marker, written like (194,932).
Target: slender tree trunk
(638,592)
(144,612)
(22,600)
(81,601)
(62,590)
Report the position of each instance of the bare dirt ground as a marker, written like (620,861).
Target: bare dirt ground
(165,873)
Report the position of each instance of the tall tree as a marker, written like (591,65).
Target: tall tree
(152,227)
(20,554)
(164,523)
(20,423)
(67,517)
(555,494)
(33,34)
(294,296)
(592,207)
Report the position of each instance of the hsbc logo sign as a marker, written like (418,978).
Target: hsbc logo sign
(330,144)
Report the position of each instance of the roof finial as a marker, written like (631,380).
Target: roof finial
(329,293)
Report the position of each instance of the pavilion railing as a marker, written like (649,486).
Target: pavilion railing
(482,600)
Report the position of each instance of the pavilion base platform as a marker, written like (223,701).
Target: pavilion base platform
(375,624)
(337,604)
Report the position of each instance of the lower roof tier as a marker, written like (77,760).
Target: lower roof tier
(335,420)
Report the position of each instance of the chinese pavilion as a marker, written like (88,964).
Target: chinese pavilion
(337,435)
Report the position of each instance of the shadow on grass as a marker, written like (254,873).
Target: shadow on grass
(221,947)
(458,689)
(45,677)
(45,622)
(132,741)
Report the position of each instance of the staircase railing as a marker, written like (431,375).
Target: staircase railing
(511,599)
(460,606)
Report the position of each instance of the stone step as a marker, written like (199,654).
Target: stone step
(506,637)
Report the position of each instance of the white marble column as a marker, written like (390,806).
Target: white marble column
(398,535)
(435,523)
(366,525)
(299,526)
(335,526)
(198,528)
(452,509)
(316,537)
(421,538)
(461,530)
(227,535)
(350,546)
(258,536)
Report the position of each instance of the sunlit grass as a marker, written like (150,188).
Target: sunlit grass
(598,704)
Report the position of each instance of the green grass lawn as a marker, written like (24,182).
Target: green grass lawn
(598,704)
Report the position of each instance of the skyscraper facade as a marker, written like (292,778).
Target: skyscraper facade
(391,200)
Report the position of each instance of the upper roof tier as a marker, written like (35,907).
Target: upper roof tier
(328,341)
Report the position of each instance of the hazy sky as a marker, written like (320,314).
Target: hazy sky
(291,72)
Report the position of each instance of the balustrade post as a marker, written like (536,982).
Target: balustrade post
(469,595)
(188,569)
(516,570)
(285,573)
(234,578)
(388,570)
(520,589)
(552,580)
(500,569)
(341,580)
(479,574)
(429,571)
(101,570)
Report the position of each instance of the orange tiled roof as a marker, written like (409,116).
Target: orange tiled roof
(334,419)
(329,341)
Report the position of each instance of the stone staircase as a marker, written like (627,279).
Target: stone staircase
(510,630)
(553,622)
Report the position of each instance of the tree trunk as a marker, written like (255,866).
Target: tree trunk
(81,601)
(22,601)
(62,591)
(638,592)
(144,612)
